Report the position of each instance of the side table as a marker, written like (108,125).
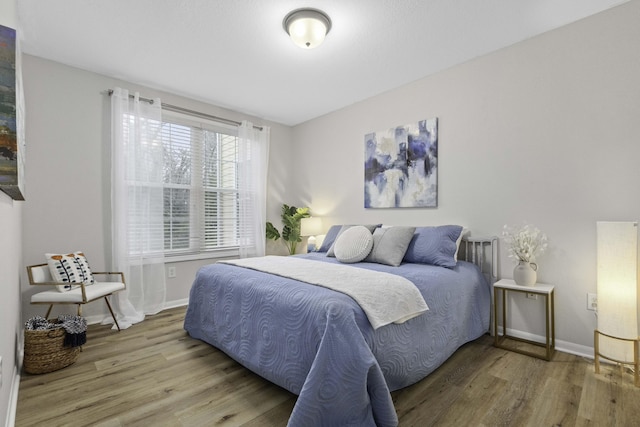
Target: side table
(547,291)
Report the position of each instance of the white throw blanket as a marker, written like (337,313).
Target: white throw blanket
(384,297)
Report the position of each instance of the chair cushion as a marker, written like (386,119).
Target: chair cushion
(95,291)
(68,269)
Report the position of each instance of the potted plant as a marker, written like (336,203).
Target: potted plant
(291,217)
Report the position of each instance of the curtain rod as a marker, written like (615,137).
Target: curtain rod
(177,109)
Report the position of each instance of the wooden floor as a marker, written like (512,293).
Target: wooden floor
(154,374)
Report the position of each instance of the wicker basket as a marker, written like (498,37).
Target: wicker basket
(44,351)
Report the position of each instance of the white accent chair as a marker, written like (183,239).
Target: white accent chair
(39,275)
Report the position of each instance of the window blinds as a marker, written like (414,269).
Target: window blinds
(200,186)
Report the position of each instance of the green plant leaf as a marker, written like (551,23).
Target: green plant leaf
(291,217)
(272,232)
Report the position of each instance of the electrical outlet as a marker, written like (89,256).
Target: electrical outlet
(592,302)
(532,296)
(171,272)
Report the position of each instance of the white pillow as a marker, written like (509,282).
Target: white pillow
(69,269)
(353,244)
(330,251)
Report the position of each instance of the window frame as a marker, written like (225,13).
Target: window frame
(197,246)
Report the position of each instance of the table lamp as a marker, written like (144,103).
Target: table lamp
(311,227)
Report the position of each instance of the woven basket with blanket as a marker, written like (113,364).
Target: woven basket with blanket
(50,345)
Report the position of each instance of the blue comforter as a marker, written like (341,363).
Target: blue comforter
(318,343)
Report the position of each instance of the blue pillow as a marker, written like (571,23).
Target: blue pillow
(434,246)
(329,238)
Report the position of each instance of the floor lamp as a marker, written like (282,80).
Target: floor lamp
(617,335)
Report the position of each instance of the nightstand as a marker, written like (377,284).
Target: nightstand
(547,291)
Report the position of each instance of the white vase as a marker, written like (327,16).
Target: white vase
(525,273)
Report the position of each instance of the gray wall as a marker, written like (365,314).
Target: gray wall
(545,131)
(10,267)
(10,320)
(68,170)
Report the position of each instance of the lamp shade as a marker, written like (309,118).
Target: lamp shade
(618,294)
(311,226)
(307,27)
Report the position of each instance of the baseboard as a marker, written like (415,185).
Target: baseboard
(575,349)
(13,399)
(176,303)
(92,320)
(563,346)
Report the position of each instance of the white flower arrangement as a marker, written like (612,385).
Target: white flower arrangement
(525,243)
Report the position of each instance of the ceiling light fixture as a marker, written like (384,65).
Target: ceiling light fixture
(307,27)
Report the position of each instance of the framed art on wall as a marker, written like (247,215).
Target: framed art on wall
(401,166)
(10,155)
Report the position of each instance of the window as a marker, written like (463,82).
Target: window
(200,186)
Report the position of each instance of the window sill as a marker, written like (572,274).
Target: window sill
(221,253)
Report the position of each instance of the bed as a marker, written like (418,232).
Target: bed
(320,344)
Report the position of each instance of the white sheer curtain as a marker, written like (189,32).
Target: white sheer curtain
(253,161)
(137,203)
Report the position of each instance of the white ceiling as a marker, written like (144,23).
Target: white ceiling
(235,53)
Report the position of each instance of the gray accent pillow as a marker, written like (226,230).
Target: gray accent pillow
(390,245)
(353,245)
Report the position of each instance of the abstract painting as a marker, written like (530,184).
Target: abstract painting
(401,166)
(9,156)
